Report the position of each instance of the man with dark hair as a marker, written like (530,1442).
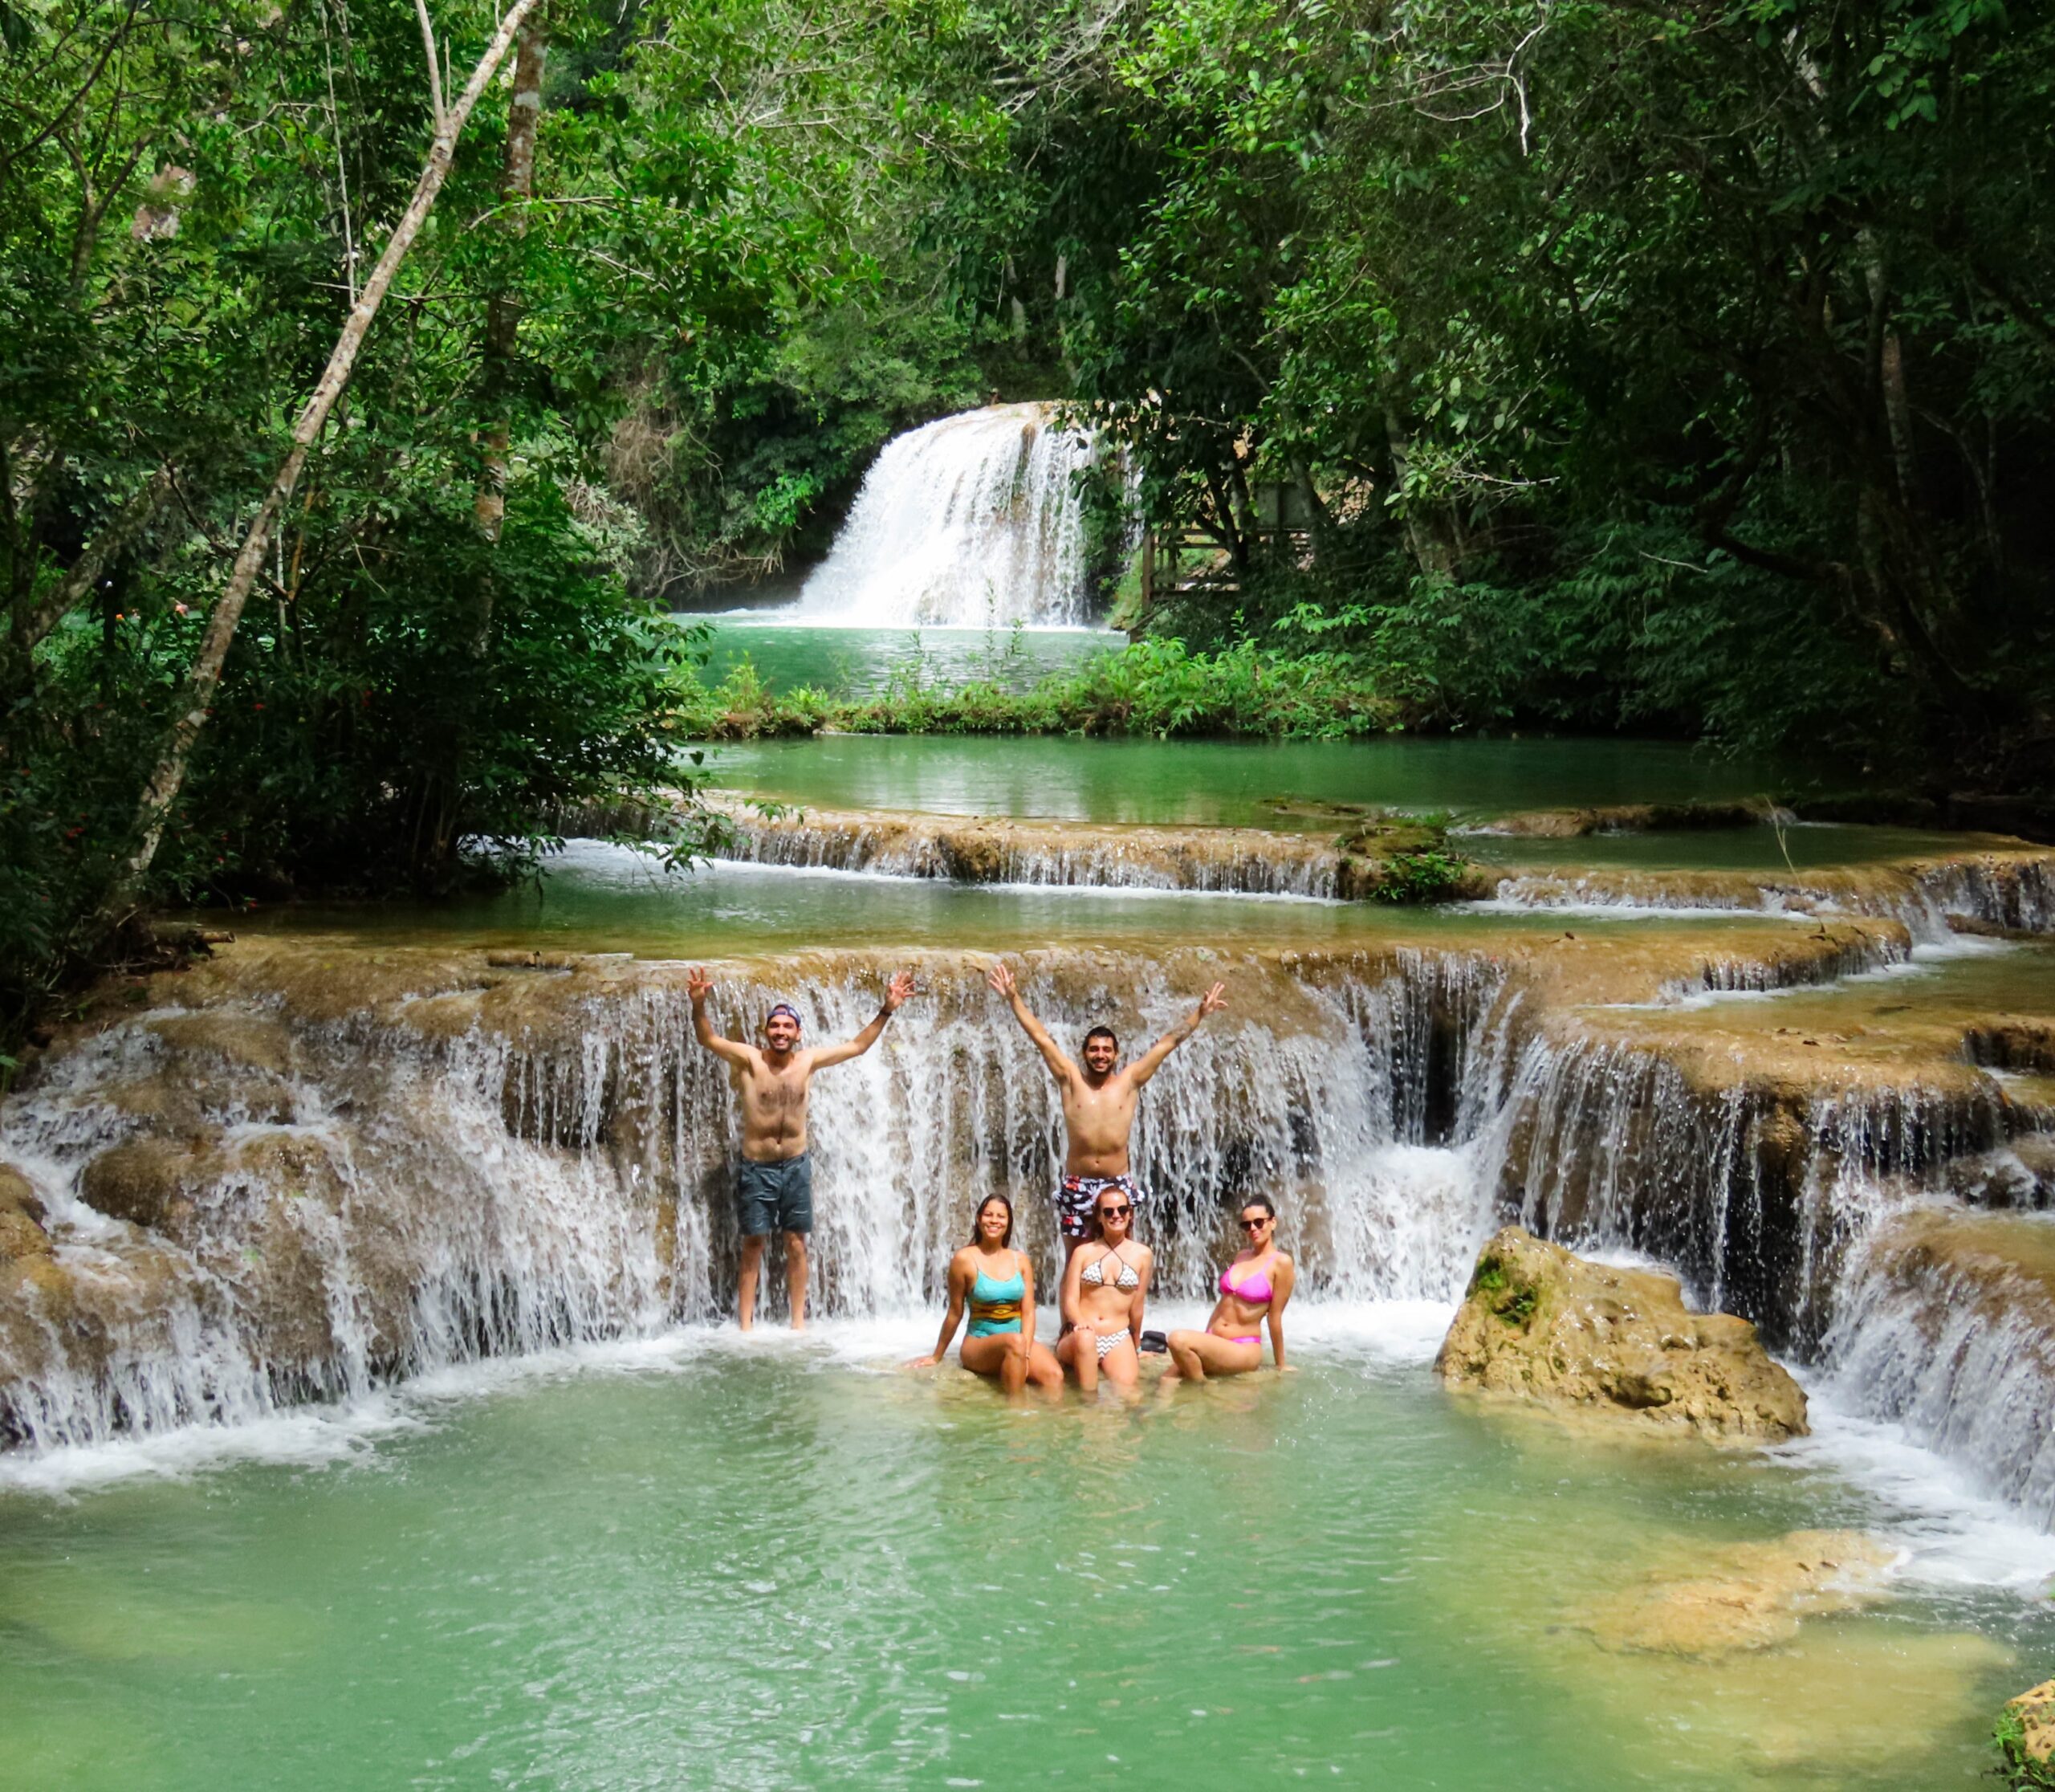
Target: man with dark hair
(774,1188)
(1099,1100)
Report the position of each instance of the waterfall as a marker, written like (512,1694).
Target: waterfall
(251,1205)
(1946,1326)
(320,1176)
(2012,889)
(974,520)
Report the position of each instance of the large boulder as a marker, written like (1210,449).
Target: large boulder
(1540,1323)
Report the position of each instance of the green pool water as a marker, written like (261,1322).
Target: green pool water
(712,1565)
(599,898)
(855,662)
(1227,782)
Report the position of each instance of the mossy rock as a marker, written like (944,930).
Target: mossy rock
(1403,859)
(1540,1324)
(2025,1737)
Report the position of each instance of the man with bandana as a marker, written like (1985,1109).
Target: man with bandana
(773,1186)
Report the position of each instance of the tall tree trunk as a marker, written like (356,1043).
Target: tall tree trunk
(1431,552)
(502,316)
(168,778)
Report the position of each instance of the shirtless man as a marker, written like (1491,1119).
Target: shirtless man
(774,1185)
(1098,1104)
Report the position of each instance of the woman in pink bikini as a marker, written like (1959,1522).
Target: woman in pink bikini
(1253,1290)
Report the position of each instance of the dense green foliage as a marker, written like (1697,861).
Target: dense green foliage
(1155,687)
(1632,364)
(1600,364)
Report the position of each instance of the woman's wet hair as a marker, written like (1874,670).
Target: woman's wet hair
(1104,1032)
(1262,1201)
(979,1215)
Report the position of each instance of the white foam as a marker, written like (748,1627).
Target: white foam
(1953,1535)
(315,1437)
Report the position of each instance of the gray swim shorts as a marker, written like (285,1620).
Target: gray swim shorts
(777,1197)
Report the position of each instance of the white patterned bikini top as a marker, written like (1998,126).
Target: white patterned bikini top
(1093,1274)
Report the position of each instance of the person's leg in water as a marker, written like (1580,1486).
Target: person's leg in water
(1194,1355)
(1118,1364)
(1002,1355)
(1079,1352)
(795,1216)
(796,1277)
(752,1267)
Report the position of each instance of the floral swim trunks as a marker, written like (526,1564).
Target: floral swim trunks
(1077,1196)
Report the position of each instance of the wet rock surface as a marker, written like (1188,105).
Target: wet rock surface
(1742,1596)
(1377,858)
(1541,1324)
(2034,1712)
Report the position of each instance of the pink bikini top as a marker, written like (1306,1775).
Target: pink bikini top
(1255,1289)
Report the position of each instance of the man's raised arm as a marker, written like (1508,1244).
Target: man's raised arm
(896,993)
(699,986)
(1152,1061)
(1001,979)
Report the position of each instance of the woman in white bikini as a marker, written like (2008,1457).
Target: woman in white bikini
(1105,1286)
(1253,1290)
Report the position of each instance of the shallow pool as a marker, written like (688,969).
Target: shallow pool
(703,1562)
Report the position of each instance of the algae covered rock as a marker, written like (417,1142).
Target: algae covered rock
(2026,1738)
(1744,1596)
(1538,1322)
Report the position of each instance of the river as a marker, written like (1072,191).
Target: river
(414,1445)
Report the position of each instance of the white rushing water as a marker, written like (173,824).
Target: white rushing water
(380,1201)
(974,520)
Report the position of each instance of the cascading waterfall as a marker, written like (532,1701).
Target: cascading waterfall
(974,520)
(250,1212)
(251,1205)
(2013,889)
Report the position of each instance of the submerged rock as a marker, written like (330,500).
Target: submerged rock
(1542,1324)
(1745,1595)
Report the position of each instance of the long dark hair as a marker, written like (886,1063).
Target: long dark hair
(978,1213)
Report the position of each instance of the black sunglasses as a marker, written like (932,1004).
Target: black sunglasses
(1115,1213)
(1257,1225)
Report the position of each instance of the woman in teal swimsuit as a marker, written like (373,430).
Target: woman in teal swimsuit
(997,1283)
(1253,1290)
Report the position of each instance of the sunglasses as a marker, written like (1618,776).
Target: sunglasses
(1115,1213)
(1255,1225)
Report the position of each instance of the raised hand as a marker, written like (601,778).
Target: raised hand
(1214,999)
(698,985)
(1000,977)
(898,990)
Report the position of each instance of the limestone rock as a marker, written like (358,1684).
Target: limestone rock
(2035,1710)
(1745,1595)
(1540,1323)
(21,1217)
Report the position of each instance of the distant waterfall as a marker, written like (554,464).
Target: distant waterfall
(972,520)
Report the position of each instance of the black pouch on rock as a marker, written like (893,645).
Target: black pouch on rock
(1154,1343)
